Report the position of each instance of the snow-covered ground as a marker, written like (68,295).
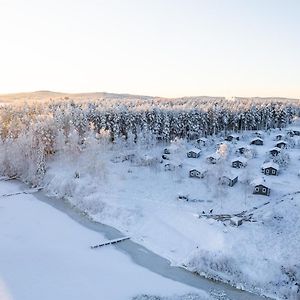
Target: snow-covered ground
(128,188)
(46,255)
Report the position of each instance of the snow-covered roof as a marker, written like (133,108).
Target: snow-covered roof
(281,141)
(201,170)
(275,148)
(196,150)
(270,164)
(240,158)
(236,219)
(214,156)
(230,175)
(234,135)
(260,181)
(257,138)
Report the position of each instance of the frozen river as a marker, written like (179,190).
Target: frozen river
(45,254)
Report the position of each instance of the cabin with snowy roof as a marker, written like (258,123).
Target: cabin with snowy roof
(281,144)
(239,162)
(229,179)
(193,153)
(236,221)
(202,141)
(169,167)
(197,173)
(232,137)
(279,137)
(213,158)
(257,141)
(260,187)
(243,149)
(292,132)
(270,168)
(259,134)
(275,151)
(296,132)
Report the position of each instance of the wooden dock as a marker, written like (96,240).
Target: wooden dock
(111,242)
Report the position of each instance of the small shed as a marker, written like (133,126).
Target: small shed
(236,221)
(202,141)
(257,141)
(239,162)
(296,132)
(229,179)
(243,149)
(270,168)
(259,134)
(261,187)
(169,167)
(167,151)
(193,153)
(232,137)
(274,151)
(293,131)
(213,158)
(197,173)
(281,144)
(279,137)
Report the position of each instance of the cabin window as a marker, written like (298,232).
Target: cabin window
(257,189)
(264,190)
(273,172)
(267,171)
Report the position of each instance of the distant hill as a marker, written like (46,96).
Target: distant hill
(45,95)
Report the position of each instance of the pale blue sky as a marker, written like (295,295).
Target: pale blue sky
(151,47)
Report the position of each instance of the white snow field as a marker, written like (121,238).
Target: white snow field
(46,255)
(129,189)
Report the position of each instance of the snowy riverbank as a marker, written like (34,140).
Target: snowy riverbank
(46,255)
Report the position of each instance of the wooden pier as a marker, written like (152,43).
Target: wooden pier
(111,242)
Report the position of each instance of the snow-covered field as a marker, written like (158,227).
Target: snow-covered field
(129,188)
(46,255)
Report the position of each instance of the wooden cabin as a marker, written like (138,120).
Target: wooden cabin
(257,141)
(169,167)
(236,221)
(260,187)
(279,137)
(202,141)
(239,162)
(213,158)
(197,173)
(292,132)
(275,151)
(193,153)
(296,132)
(281,144)
(167,151)
(259,134)
(229,179)
(270,168)
(232,137)
(243,149)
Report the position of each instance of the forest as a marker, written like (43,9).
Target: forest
(32,132)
